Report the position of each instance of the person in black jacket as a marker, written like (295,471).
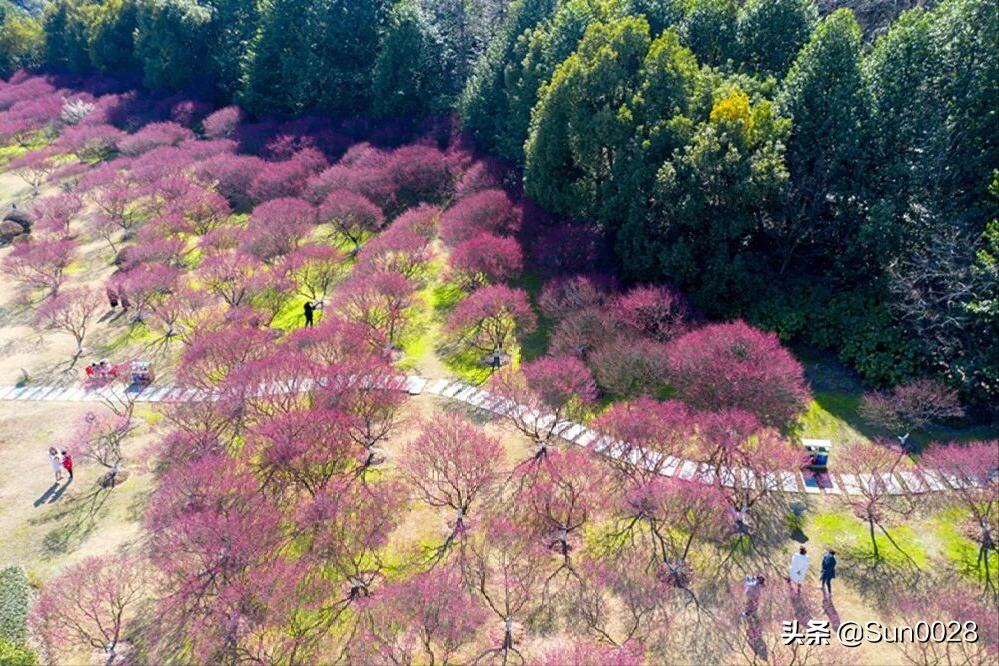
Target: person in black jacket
(828,572)
(310,312)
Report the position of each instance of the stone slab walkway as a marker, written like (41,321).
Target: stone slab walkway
(576,433)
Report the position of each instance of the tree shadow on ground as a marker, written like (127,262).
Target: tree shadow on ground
(762,549)
(74,519)
(878,580)
(479,417)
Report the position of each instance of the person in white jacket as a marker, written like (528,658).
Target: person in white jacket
(56,461)
(799,567)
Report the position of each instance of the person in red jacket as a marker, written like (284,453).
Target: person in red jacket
(67,464)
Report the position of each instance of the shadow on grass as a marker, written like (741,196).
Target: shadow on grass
(843,406)
(467,364)
(534,344)
(761,548)
(954,529)
(837,391)
(879,580)
(75,518)
(444,296)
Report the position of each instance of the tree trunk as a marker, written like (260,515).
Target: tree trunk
(874,542)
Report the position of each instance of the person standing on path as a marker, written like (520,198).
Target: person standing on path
(56,463)
(799,567)
(67,464)
(310,313)
(828,572)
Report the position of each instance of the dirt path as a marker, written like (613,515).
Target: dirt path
(48,526)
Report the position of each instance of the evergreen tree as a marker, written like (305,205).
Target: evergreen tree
(660,14)
(495,103)
(613,111)
(905,121)
(171,42)
(314,54)
(233,25)
(583,122)
(21,40)
(709,29)
(711,203)
(466,28)
(825,96)
(965,35)
(112,36)
(66,44)
(411,73)
(771,32)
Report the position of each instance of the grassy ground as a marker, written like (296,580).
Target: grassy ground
(48,526)
(833,413)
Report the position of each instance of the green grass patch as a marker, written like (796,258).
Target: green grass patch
(832,416)
(423,329)
(851,536)
(443,296)
(470,365)
(534,344)
(292,315)
(137,334)
(417,345)
(962,552)
(16,654)
(77,267)
(12,152)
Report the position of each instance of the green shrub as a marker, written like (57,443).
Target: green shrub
(795,517)
(13,654)
(855,324)
(15,594)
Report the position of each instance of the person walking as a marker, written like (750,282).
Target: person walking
(754,586)
(67,464)
(799,567)
(740,520)
(112,297)
(497,358)
(310,313)
(828,572)
(56,463)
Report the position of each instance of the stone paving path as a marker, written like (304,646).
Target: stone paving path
(922,481)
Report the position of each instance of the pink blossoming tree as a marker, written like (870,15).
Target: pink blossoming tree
(71,312)
(40,264)
(90,605)
(487,319)
(734,365)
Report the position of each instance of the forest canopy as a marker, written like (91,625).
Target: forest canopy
(832,184)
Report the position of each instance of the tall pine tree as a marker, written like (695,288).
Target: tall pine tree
(314,54)
(826,98)
(411,72)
